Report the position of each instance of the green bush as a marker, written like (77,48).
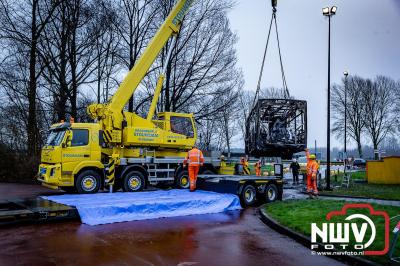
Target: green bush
(17,166)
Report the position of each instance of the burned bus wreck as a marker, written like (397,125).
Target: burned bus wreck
(276,128)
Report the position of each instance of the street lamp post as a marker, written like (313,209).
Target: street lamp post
(345,73)
(329,12)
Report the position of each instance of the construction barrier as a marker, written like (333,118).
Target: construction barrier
(385,171)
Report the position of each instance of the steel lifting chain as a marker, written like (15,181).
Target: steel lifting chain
(284,84)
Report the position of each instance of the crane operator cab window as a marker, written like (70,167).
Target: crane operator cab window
(182,125)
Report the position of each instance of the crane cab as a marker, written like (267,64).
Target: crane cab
(177,123)
(180,128)
(168,130)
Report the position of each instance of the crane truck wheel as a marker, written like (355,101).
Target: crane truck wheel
(88,182)
(248,197)
(182,179)
(133,181)
(271,193)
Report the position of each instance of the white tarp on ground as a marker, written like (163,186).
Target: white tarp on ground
(104,208)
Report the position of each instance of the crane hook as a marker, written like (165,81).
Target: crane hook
(274,3)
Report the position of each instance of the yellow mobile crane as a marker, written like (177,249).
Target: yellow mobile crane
(79,156)
(125,150)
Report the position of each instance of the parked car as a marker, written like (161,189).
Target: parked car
(359,163)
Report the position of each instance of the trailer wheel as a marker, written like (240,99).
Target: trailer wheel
(248,196)
(271,193)
(182,179)
(88,182)
(133,181)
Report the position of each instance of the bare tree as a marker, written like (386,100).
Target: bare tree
(135,26)
(273,93)
(11,132)
(203,60)
(378,108)
(67,53)
(106,44)
(201,76)
(245,103)
(391,145)
(355,110)
(219,127)
(58,56)
(230,114)
(22,25)
(397,105)
(54,57)
(209,134)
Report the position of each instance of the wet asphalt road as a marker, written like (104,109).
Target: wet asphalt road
(234,238)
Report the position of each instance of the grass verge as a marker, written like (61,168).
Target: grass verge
(300,214)
(337,177)
(390,192)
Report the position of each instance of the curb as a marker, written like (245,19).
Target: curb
(306,241)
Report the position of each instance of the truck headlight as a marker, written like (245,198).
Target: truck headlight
(42,170)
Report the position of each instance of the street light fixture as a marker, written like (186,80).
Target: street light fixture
(329,12)
(326,11)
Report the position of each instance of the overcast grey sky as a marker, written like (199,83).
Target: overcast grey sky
(365,41)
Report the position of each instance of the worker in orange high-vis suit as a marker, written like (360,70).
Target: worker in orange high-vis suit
(257,166)
(195,160)
(312,171)
(245,165)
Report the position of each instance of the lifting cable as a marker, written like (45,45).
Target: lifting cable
(284,84)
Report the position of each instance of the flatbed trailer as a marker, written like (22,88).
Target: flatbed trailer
(34,210)
(251,189)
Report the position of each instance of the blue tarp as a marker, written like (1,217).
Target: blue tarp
(104,208)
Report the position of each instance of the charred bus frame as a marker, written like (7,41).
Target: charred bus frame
(276,128)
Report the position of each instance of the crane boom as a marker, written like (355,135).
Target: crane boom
(111,114)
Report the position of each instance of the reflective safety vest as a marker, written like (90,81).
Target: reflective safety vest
(246,169)
(194,157)
(312,168)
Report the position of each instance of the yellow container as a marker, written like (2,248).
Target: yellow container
(385,171)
